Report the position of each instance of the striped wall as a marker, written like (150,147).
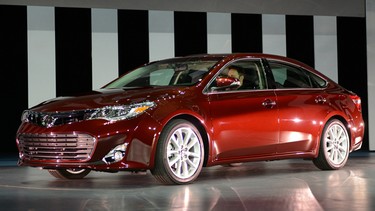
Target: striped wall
(14,71)
(370,39)
(52,51)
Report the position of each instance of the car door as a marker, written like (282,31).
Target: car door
(244,121)
(302,106)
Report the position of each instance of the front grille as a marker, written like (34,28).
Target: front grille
(51,119)
(74,147)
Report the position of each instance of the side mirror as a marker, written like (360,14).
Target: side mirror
(226,82)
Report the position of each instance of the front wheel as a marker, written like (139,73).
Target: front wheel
(179,153)
(334,146)
(69,173)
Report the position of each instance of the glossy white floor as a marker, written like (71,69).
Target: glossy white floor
(277,185)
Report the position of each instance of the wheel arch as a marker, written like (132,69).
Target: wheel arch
(202,130)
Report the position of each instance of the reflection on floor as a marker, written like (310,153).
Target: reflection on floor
(276,185)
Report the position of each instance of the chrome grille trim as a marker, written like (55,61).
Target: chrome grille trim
(51,119)
(61,147)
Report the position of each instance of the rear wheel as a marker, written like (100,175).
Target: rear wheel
(69,173)
(334,146)
(179,154)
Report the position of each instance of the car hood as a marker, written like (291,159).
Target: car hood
(106,97)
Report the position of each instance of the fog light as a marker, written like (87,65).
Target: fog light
(119,155)
(116,154)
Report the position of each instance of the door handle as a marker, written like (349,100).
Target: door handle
(268,103)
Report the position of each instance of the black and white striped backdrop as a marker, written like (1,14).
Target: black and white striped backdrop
(52,51)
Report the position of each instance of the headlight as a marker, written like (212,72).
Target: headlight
(120,112)
(110,113)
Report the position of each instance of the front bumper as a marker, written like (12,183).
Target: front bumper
(87,145)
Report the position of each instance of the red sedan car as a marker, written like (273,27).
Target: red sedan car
(175,116)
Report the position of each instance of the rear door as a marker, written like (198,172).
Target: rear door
(302,105)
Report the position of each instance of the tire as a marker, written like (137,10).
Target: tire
(179,153)
(69,173)
(334,146)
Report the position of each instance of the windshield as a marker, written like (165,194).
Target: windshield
(171,72)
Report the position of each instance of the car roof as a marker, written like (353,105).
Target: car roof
(250,55)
